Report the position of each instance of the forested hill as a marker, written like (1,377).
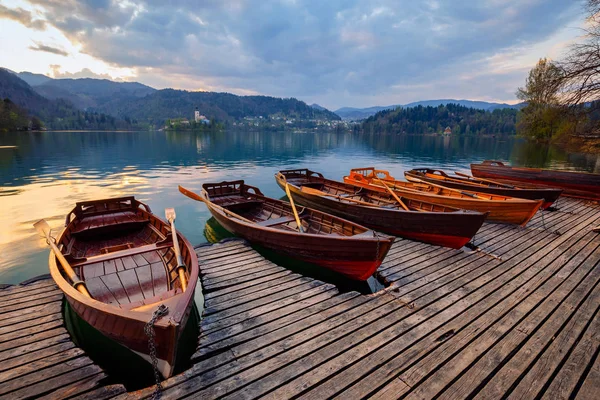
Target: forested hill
(24,108)
(462,120)
(163,104)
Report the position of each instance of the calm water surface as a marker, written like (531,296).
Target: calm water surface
(48,172)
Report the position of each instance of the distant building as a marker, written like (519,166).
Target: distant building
(197,115)
(447,131)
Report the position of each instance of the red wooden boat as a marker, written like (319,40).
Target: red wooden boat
(466,182)
(325,240)
(117,264)
(575,184)
(426,222)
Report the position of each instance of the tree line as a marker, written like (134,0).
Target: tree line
(460,119)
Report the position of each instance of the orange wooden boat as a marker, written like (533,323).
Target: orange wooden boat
(502,209)
(325,240)
(575,184)
(117,264)
(466,182)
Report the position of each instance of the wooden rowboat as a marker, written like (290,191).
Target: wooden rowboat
(466,182)
(502,209)
(575,184)
(426,222)
(126,267)
(324,240)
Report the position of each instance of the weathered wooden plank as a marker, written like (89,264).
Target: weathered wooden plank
(535,361)
(269,270)
(28,295)
(27,304)
(229,266)
(17,326)
(217,323)
(589,387)
(248,293)
(384,355)
(36,365)
(542,304)
(565,383)
(41,341)
(21,289)
(51,348)
(294,310)
(101,393)
(55,381)
(259,298)
(12,339)
(244,268)
(245,286)
(28,381)
(280,327)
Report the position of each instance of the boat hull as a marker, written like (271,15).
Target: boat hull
(517,211)
(129,332)
(549,195)
(448,229)
(352,257)
(575,184)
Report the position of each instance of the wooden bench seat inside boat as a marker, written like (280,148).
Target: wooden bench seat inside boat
(101,224)
(280,221)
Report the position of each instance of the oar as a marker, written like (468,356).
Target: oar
(485,180)
(289,195)
(197,197)
(393,194)
(44,229)
(170,215)
(452,190)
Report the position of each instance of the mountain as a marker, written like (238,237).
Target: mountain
(54,114)
(20,93)
(349,113)
(318,107)
(428,119)
(88,93)
(33,79)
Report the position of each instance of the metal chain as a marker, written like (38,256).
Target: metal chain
(161,311)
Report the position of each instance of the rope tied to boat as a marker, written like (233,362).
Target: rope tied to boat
(161,311)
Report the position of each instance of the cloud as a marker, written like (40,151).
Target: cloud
(22,16)
(334,52)
(48,49)
(55,72)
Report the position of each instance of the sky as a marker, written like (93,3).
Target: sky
(332,52)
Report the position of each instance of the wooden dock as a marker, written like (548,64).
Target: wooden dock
(517,317)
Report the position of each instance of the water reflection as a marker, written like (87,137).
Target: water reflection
(47,172)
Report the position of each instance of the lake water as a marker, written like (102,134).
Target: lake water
(46,173)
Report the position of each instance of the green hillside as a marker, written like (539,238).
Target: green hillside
(461,119)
